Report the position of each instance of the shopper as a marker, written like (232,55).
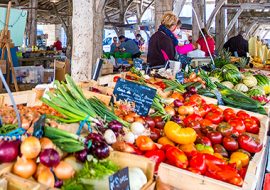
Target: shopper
(162,44)
(182,49)
(58,45)
(128,45)
(139,40)
(237,44)
(114,45)
(210,41)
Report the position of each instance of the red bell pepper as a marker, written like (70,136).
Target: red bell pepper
(249,143)
(251,125)
(198,163)
(225,173)
(210,159)
(176,157)
(157,156)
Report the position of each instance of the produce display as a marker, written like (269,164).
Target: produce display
(181,129)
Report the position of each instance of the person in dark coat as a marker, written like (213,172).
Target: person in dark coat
(237,44)
(162,44)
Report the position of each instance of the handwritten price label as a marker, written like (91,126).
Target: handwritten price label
(119,180)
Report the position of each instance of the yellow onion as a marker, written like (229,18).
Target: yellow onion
(46,177)
(24,167)
(46,143)
(40,168)
(64,171)
(30,147)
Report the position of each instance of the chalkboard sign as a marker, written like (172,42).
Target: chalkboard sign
(119,180)
(141,95)
(180,77)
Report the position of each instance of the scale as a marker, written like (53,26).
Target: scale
(5,45)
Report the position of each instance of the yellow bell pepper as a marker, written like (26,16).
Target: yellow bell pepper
(178,134)
(239,157)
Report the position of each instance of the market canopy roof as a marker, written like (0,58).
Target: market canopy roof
(49,11)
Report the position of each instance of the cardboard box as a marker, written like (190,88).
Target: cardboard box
(3,66)
(60,70)
(48,75)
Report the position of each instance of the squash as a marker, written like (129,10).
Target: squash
(214,79)
(241,87)
(228,84)
(250,81)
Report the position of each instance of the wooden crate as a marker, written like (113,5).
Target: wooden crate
(183,179)
(23,97)
(130,160)
(15,182)
(107,68)
(104,98)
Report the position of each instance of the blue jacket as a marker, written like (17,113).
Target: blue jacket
(130,46)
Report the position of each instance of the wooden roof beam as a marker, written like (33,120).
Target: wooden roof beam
(247,6)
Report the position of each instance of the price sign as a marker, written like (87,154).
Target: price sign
(180,77)
(141,95)
(119,180)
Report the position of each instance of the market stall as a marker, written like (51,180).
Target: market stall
(166,121)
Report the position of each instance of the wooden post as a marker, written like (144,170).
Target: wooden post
(232,22)
(198,6)
(88,25)
(33,29)
(220,27)
(213,15)
(162,6)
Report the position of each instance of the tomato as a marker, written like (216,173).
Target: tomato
(215,137)
(203,140)
(178,134)
(145,143)
(238,126)
(205,123)
(257,120)
(242,114)
(249,143)
(192,117)
(161,84)
(197,99)
(194,124)
(218,148)
(228,116)
(230,143)
(115,79)
(218,110)
(178,96)
(193,104)
(225,128)
(165,141)
(251,125)
(228,111)
(204,109)
(214,117)
(188,149)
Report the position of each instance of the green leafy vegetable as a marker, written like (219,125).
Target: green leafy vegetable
(91,171)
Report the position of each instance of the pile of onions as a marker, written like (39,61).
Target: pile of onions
(9,151)
(24,167)
(30,147)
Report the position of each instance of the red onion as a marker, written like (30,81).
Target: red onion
(49,157)
(59,183)
(192,90)
(116,126)
(176,119)
(177,103)
(9,151)
(95,137)
(81,155)
(100,150)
